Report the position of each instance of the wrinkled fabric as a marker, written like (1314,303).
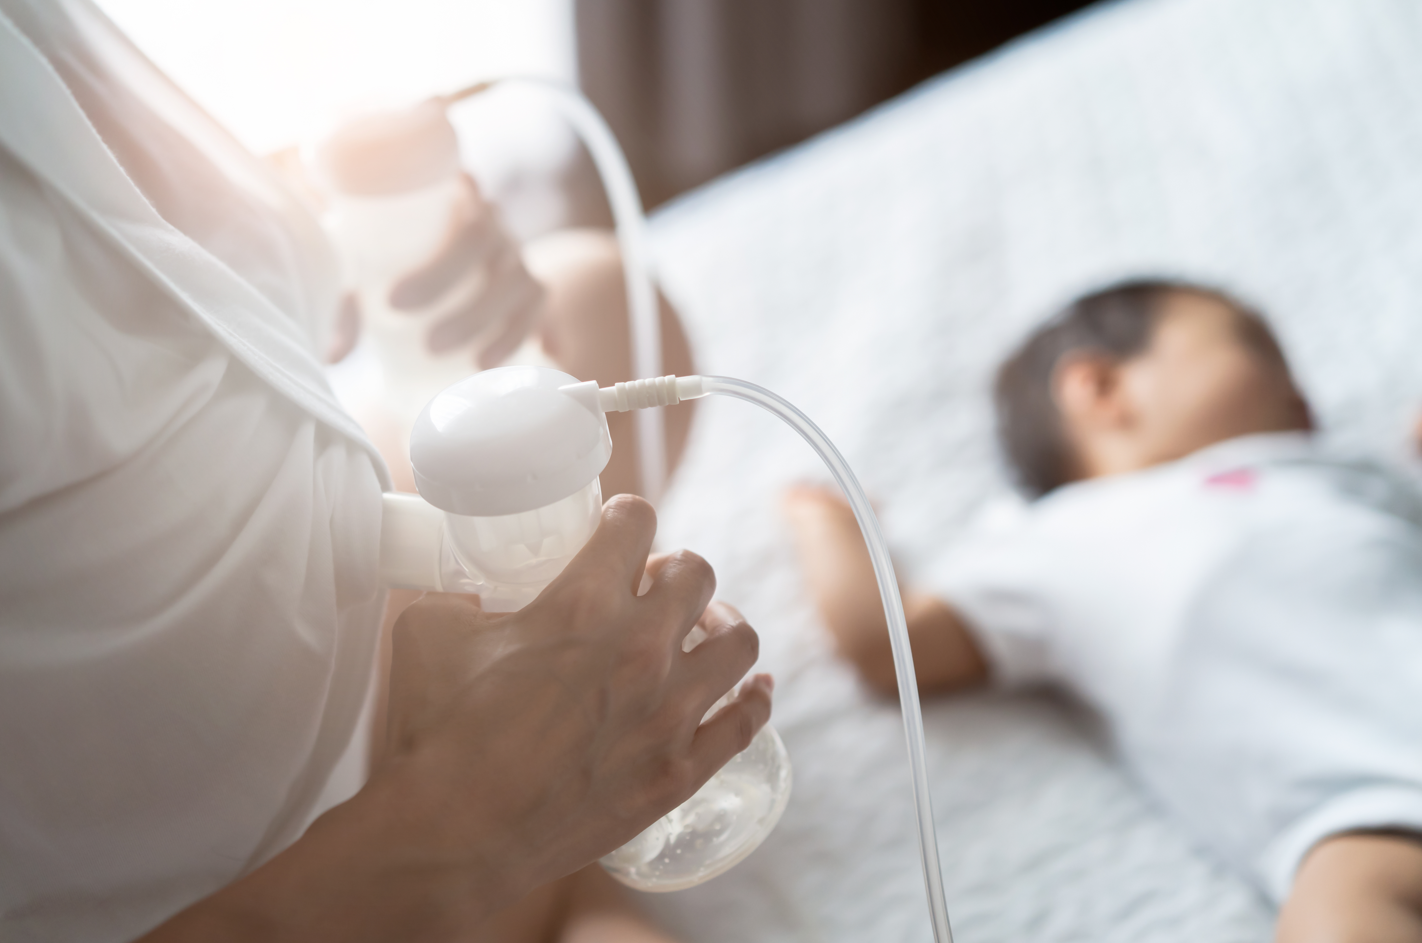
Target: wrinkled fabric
(188,522)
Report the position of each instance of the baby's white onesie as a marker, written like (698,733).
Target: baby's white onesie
(1249,622)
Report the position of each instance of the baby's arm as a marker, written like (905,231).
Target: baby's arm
(1357,888)
(841,578)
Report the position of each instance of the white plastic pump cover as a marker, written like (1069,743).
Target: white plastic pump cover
(507,440)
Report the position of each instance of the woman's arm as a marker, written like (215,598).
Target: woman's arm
(841,579)
(522,747)
(359,873)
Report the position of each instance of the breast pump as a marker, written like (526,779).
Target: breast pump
(507,461)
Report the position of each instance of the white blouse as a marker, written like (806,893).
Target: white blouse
(188,521)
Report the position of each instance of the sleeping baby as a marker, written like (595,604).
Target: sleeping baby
(1241,606)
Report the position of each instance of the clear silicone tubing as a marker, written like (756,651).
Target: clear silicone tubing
(631,225)
(894,614)
(645,328)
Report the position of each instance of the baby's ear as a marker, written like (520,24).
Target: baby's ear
(1087,390)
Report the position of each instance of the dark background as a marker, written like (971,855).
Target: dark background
(693,88)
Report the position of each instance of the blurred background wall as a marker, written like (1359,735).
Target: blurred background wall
(694,88)
(691,87)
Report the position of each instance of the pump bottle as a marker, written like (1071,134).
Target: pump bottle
(393,182)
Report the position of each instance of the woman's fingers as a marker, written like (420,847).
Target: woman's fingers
(728,649)
(649,573)
(508,293)
(474,237)
(525,300)
(682,586)
(732,729)
(503,307)
(617,551)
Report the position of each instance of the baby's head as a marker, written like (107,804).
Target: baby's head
(1138,374)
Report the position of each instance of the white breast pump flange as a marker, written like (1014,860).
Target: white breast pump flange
(507,464)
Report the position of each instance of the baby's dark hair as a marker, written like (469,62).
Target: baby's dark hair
(1118,322)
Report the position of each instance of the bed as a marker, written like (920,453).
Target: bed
(875,275)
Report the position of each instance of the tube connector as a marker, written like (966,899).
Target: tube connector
(656,391)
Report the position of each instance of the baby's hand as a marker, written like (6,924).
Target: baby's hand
(808,506)
(836,564)
(840,577)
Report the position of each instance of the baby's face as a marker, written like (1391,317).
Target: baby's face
(1203,380)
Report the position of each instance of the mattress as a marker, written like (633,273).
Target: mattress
(876,275)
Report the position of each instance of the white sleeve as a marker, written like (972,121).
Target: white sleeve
(995,580)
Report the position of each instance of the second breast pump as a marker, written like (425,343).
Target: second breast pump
(507,462)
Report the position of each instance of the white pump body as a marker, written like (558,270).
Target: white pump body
(507,465)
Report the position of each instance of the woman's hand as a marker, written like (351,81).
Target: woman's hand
(586,711)
(523,747)
(479,273)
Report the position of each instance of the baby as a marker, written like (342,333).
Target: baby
(1243,608)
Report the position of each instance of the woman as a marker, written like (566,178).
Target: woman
(189,614)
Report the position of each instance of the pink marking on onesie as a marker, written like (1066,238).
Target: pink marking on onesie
(1236,479)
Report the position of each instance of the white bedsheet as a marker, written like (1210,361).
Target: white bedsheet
(876,276)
